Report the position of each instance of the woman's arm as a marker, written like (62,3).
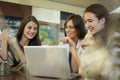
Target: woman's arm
(74,53)
(4,37)
(73,50)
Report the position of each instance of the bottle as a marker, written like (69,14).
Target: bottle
(3,69)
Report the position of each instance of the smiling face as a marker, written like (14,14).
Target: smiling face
(70,30)
(93,24)
(30,30)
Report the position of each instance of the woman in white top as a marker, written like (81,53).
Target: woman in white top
(74,29)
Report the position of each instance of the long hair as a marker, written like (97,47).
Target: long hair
(35,40)
(100,12)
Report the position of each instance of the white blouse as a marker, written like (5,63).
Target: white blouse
(78,46)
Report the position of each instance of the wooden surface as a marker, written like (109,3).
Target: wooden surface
(24,76)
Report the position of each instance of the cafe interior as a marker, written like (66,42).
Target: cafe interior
(51,15)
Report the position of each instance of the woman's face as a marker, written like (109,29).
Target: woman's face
(30,30)
(93,24)
(70,30)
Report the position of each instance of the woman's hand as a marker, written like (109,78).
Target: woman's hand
(68,40)
(4,35)
(4,38)
(64,39)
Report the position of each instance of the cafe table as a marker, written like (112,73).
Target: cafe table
(26,76)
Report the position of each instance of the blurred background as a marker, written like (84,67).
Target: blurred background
(51,14)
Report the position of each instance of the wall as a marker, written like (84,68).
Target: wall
(15,10)
(47,15)
(45,10)
(50,5)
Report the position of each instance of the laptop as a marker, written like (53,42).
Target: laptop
(48,61)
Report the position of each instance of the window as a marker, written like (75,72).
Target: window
(49,33)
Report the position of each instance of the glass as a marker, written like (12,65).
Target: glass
(3,67)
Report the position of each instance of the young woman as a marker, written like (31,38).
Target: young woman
(94,52)
(96,18)
(28,34)
(74,29)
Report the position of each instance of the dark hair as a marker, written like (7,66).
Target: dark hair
(35,40)
(78,24)
(99,10)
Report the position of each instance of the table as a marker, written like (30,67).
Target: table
(25,76)
(22,77)
(17,77)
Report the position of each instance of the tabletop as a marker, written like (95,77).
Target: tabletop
(25,76)
(22,76)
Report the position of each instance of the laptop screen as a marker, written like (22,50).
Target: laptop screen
(49,61)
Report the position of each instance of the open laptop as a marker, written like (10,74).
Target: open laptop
(48,61)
